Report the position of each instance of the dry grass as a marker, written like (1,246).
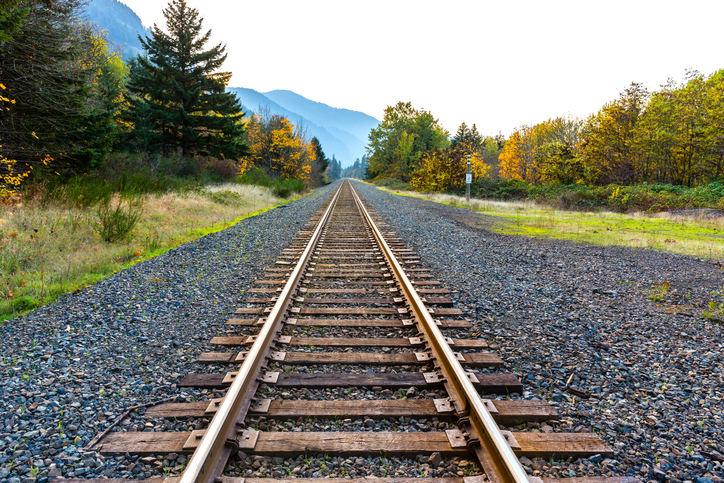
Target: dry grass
(47,250)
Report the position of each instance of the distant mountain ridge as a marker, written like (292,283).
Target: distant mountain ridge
(121,23)
(341,132)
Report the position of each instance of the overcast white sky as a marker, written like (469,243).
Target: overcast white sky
(496,64)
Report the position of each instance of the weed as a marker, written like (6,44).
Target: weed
(658,292)
(715,310)
(117,222)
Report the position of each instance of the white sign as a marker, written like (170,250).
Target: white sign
(468,178)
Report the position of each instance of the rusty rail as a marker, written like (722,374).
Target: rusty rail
(211,455)
(496,457)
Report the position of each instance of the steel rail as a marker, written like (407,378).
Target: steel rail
(497,458)
(224,426)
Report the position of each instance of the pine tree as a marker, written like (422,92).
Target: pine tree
(321,158)
(47,70)
(175,89)
(12,16)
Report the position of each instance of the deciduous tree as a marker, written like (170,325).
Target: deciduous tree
(276,147)
(399,142)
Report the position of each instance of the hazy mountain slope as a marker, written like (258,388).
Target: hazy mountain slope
(351,127)
(121,23)
(342,133)
(317,112)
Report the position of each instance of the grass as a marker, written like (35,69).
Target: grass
(47,249)
(688,235)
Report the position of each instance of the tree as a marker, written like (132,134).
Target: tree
(467,138)
(178,93)
(518,157)
(319,166)
(609,138)
(278,148)
(51,67)
(334,170)
(544,153)
(12,16)
(399,142)
(321,158)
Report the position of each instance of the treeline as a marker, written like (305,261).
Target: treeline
(672,136)
(69,104)
(412,146)
(358,169)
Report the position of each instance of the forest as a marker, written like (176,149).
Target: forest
(72,108)
(106,163)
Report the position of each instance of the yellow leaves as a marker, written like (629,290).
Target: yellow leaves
(441,170)
(276,147)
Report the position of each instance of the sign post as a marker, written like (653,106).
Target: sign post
(468,180)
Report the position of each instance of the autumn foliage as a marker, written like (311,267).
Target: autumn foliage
(278,148)
(443,169)
(671,136)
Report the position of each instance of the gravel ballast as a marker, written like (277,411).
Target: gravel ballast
(554,309)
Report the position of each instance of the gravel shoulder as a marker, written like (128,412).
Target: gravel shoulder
(69,369)
(554,308)
(558,309)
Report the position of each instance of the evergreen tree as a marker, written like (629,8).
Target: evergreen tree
(178,92)
(335,169)
(467,138)
(12,16)
(50,73)
(322,161)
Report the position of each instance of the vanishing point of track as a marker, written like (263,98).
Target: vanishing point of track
(348,276)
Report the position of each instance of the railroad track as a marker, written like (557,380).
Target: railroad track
(348,312)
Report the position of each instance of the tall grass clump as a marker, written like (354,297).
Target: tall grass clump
(280,187)
(284,188)
(118,216)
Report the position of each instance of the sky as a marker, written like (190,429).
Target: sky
(498,65)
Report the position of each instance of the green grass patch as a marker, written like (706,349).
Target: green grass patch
(688,235)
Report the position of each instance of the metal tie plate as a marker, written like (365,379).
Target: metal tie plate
(456,438)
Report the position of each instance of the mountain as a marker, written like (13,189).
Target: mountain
(341,132)
(121,23)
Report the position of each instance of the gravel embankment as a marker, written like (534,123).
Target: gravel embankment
(557,308)
(69,369)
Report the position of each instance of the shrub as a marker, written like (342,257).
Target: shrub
(222,169)
(118,218)
(392,183)
(283,188)
(256,177)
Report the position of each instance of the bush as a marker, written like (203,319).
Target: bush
(392,183)
(283,188)
(221,169)
(256,177)
(648,198)
(117,222)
